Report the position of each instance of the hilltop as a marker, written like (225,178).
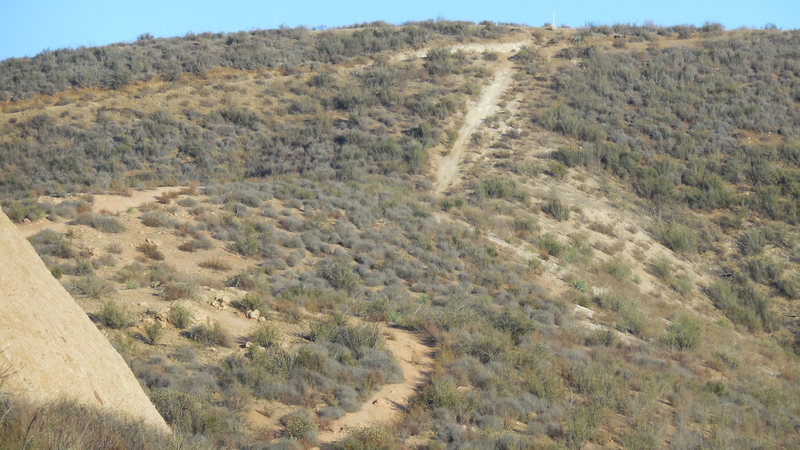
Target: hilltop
(432,235)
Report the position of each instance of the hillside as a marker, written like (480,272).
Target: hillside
(437,235)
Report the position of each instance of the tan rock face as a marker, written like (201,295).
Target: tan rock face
(53,348)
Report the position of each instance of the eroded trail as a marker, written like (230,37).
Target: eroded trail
(385,405)
(447,167)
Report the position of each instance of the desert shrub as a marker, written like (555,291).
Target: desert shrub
(605,337)
(579,285)
(133,275)
(357,338)
(550,245)
(250,302)
(210,334)
(247,281)
(789,286)
(177,289)
(186,412)
(51,243)
(617,268)
(683,334)
(679,238)
(266,336)
(201,243)
(339,275)
(157,219)
(764,270)
(441,393)
(113,315)
(516,324)
(99,222)
(215,264)
(153,333)
(67,424)
(743,305)
(751,242)
(150,250)
(661,267)
(180,315)
(557,209)
(300,425)
(439,61)
(633,319)
(500,188)
(19,211)
(90,286)
(581,425)
(80,267)
(368,438)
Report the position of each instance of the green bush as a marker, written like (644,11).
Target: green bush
(153,333)
(743,305)
(679,238)
(177,289)
(300,425)
(751,242)
(557,209)
(209,335)
(440,393)
(266,336)
(19,211)
(180,315)
(662,268)
(357,338)
(550,245)
(49,242)
(339,275)
(683,334)
(368,438)
(90,286)
(250,302)
(103,223)
(113,315)
(500,188)
(439,61)
(617,268)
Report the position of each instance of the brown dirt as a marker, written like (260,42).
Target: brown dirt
(446,168)
(53,348)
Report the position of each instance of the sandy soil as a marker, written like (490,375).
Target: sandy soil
(500,47)
(446,168)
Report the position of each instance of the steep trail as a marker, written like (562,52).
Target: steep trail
(446,168)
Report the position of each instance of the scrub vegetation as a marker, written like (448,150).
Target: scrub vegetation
(619,266)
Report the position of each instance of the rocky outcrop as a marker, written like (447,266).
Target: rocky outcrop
(53,349)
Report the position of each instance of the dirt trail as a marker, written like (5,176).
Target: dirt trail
(391,400)
(501,47)
(447,168)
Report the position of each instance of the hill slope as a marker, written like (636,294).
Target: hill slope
(592,233)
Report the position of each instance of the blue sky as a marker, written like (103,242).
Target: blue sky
(30,26)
